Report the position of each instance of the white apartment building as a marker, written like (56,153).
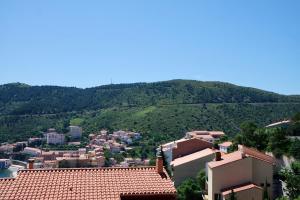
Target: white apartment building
(55,138)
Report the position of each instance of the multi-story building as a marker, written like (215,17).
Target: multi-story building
(55,138)
(246,172)
(75,132)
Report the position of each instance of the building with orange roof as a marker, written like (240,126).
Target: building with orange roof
(188,166)
(183,147)
(245,171)
(225,146)
(90,184)
(209,136)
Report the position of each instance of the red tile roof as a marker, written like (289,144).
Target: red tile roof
(227,158)
(86,183)
(238,155)
(256,154)
(5,183)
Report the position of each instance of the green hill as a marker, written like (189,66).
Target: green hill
(166,109)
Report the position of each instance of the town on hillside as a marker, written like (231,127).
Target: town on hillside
(207,159)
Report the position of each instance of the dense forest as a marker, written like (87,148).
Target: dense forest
(161,110)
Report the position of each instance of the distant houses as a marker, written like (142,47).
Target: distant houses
(209,136)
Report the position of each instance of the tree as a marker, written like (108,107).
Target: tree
(296,117)
(292,179)
(247,133)
(201,179)
(278,143)
(295,149)
(189,190)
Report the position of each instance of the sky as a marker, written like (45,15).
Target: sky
(89,43)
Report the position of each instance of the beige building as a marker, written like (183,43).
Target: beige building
(209,136)
(245,172)
(225,146)
(188,166)
(183,147)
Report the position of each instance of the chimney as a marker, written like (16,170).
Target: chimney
(218,156)
(241,148)
(159,165)
(159,162)
(30,163)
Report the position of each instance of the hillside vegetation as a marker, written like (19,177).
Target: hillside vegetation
(161,110)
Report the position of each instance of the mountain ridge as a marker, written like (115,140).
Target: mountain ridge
(20,84)
(20,98)
(165,109)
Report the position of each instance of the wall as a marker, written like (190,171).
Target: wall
(189,146)
(228,175)
(262,171)
(251,194)
(190,169)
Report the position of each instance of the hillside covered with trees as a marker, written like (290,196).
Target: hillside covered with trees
(161,110)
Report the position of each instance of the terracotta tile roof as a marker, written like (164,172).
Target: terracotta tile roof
(241,188)
(5,183)
(227,158)
(86,183)
(238,155)
(192,157)
(256,154)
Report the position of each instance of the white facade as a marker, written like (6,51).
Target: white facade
(55,138)
(32,151)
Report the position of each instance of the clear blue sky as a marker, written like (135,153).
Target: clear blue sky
(87,43)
